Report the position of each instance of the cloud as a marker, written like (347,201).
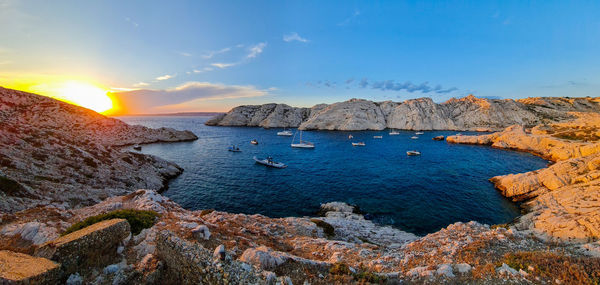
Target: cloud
(133,23)
(350,19)
(182,53)
(257,49)
(408,86)
(350,80)
(164,77)
(183,97)
(211,54)
(202,70)
(224,65)
(140,84)
(294,37)
(363,83)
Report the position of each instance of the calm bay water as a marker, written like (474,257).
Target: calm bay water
(419,194)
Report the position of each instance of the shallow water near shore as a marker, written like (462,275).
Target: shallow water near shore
(419,194)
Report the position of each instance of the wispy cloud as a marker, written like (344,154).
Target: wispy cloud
(350,19)
(182,97)
(390,85)
(211,54)
(223,65)
(132,22)
(257,49)
(165,77)
(140,84)
(205,69)
(387,85)
(186,54)
(294,37)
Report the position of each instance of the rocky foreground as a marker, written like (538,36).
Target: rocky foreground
(464,114)
(57,153)
(555,241)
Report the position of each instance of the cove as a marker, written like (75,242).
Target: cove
(419,194)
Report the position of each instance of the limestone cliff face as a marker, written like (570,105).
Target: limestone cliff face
(468,113)
(562,199)
(52,152)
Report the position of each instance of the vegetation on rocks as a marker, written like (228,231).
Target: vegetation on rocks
(138,220)
(552,266)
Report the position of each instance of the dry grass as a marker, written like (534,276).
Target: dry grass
(552,266)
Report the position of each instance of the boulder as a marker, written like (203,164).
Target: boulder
(92,246)
(19,268)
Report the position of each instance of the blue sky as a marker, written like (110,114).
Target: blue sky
(307,52)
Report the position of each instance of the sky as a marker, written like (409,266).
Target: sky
(181,56)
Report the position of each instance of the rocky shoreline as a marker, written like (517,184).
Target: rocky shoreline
(464,114)
(555,241)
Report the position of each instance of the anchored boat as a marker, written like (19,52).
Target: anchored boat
(269,162)
(414,137)
(419,133)
(358,144)
(302,144)
(394,132)
(234,148)
(285,133)
(377,137)
(254,142)
(412,152)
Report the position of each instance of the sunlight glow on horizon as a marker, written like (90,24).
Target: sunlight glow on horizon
(76,92)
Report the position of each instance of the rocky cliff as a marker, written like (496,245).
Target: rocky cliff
(56,153)
(468,113)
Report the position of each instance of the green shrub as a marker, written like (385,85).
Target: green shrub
(138,220)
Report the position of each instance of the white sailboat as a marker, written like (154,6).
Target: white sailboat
(285,133)
(394,132)
(302,144)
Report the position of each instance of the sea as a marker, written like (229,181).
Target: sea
(447,183)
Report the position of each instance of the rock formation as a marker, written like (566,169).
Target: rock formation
(555,241)
(563,199)
(468,114)
(52,152)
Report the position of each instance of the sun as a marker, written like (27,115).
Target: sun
(85,95)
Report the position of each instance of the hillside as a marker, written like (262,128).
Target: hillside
(52,152)
(464,114)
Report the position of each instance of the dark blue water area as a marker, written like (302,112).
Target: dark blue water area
(420,194)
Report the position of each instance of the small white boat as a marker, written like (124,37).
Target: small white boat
(412,152)
(358,144)
(377,137)
(269,162)
(234,149)
(254,142)
(302,144)
(350,137)
(414,137)
(419,133)
(137,147)
(285,133)
(394,132)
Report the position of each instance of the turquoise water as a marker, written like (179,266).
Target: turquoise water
(419,194)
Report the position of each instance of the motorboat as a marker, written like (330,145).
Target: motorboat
(414,137)
(412,152)
(285,133)
(269,162)
(438,138)
(234,148)
(394,132)
(255,142)
(377,137)
(419,133)
(137,147)
(358,144)
(302,144)
(350,137)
